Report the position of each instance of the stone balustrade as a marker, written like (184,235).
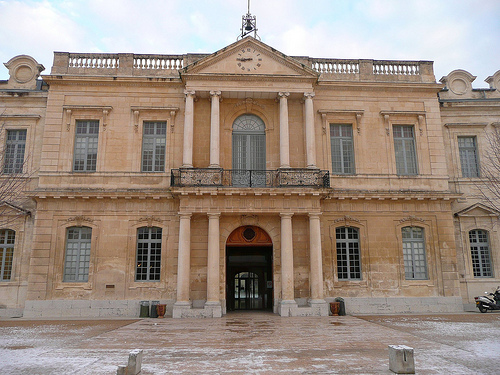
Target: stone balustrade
(128,64)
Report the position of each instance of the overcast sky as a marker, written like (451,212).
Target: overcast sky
(455,34)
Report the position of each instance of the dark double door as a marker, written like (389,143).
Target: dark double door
(249,278)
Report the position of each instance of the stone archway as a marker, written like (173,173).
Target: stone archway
(249,269)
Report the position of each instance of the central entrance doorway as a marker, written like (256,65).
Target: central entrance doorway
(249,269)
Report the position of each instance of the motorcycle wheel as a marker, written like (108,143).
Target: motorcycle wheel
(482,308)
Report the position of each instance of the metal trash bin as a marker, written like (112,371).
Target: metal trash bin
(154,312)
(340,300)
(144,313)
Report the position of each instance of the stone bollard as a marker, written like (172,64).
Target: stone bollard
(134,364)
(401,359)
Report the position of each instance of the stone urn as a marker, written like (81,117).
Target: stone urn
(161,309)
(335,308)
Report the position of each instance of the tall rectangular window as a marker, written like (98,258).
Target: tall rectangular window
(469,161)
(414,253)
(348,254)
(154,140)
(86,140)
(7,240)
(404,147)
(480,253)
(77,259)
(148,254)
(342,149)
(14,151)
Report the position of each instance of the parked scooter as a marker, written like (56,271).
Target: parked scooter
(485,303)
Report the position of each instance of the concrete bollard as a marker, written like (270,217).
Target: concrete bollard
(401,359)
(134,364)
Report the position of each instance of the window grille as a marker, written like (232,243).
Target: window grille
(77,260)
(404,147)
(86,141)
(469,162)
(154,141)
(342,145)
(480,253)
(414,253)
(148,260)
(7,240)
(348,254)
(14,151)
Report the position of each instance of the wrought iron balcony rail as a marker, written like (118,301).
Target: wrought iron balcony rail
(217,177)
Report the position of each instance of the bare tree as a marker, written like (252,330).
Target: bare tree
(489,186)
(15,178)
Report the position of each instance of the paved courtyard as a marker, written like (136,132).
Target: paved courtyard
(252,343)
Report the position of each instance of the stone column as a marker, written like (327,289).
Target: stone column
(316,257)
(287,287)
(317,302)
(214,129)
(183,265)
(187,153)
(213,294)
(284,131)
(310,135)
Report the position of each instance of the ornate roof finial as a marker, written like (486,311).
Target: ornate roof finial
(248,25)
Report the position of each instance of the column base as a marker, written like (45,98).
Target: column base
(181,309)
(212,310)
(315,308)
(287,308)
(319,307)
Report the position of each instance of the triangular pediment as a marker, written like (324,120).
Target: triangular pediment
(478,209)
(250,57)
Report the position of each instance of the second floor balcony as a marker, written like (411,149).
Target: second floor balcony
(239,178)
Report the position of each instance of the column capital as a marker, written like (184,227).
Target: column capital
(185,215)
(189,93)
(314,215)
(215,93)
(286,214)
(213,214)
(283,95)
(309,95)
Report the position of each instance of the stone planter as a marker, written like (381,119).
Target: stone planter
(335,308)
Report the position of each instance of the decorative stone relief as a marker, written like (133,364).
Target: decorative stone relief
(79,220)
(411,219)
(347,220)
(249,220)
(149,220)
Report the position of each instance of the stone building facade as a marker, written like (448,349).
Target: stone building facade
(244,179)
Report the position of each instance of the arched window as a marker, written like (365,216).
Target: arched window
(148,260)
(348,253)
(249,151)
(77,259)
(480,253)
(414,253)
(7,240)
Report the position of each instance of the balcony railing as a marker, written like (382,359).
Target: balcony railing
(216,177)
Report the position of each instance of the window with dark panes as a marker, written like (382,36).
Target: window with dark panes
(14,151)
(342,145)
(404,148)
(348,253)
(414,253)
(480,253)
(86,141)
(154,141)
(469,161)
(7,241)
(77,257)
(148,260)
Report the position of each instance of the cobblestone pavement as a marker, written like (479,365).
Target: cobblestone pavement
(252,343)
